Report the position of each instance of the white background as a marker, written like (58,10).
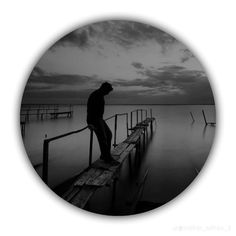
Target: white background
(207,207)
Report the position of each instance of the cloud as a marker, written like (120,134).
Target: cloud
(137,65)
(168,85)
(126,34)
(41,80)
(185,86)
(77,38)
(186,55)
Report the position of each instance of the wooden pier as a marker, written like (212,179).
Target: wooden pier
(99,173)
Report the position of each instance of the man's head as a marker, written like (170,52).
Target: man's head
(106,88)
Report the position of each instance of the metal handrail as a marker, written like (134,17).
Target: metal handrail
(48,140)
(137,116)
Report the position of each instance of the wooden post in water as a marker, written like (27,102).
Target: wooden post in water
(115,130)
(127,124)
(151,126)
(144,138)
(204,117)
(131,120)
(137,116)
(91,147)
(27,115)
(192,116)
(45,161)
(38,113)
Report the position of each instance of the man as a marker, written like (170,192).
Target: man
(95,110)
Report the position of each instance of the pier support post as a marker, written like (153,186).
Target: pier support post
(130,163)
(45,161)
(127,124)
(91,147)
(136,116)
(38,114)
(131,120)
(204,117)
(144,138)
(151,126)
(115,131)
(192,116)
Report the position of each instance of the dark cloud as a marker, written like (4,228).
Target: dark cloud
(78,38)
(186,55)
(41,80)
(175,83)
(165,85)
(137,65)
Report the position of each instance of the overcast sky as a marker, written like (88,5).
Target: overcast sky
(144,64)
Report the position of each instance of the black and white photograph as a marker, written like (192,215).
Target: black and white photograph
(118,117)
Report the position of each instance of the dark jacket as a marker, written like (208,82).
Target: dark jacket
(95,107)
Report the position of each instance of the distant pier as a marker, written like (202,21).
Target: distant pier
(42,112)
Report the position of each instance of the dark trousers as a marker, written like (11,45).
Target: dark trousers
(104,136)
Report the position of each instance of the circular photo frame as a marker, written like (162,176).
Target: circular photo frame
(118,117)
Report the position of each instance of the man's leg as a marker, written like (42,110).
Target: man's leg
(108,135)
(104,144)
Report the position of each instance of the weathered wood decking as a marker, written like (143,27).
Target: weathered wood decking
(101,173)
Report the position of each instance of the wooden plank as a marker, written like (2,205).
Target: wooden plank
(119,149)
(83,196)
(134,138)
(132,135)
(97,173)
(103,165)
(84,177)
(102,179)
(68,191)
(72,193)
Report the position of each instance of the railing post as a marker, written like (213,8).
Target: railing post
(151,120)
(45,161)
(137,116)
(115,130)
(146,113)
(141,115)
(91,147)
(127,124)
(131,119)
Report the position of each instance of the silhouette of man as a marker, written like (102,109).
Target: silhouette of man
(95,110)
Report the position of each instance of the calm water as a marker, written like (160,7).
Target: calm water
(175,154)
